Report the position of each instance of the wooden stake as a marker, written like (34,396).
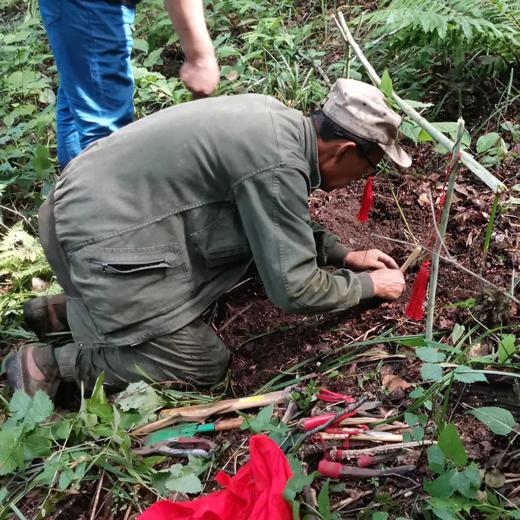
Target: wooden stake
(412,257)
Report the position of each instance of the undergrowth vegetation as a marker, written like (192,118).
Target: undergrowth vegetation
(447,56)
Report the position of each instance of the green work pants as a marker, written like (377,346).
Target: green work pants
(193,355)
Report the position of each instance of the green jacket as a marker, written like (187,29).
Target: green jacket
(159,219)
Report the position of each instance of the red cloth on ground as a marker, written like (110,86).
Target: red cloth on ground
(254,493)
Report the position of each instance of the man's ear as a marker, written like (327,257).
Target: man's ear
(346,147)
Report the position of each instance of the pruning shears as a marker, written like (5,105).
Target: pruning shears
(179,447)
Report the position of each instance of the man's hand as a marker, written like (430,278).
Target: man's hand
(371,259)
(201,75)
(200,72)
(388,283)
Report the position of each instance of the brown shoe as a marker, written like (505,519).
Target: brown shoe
(20,376)
(45,315)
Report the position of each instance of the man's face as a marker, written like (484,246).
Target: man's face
(342,162)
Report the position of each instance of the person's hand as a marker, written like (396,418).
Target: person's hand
(371,259)
(388,283)
(201,75)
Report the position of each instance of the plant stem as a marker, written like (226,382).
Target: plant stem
(489,229)
(454,165)
(467,159)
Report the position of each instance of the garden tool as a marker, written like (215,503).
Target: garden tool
(333,397)
(412,257)
(331,469)
(202,411)
(180,447)
(190,429)
(310,423)
(364,436)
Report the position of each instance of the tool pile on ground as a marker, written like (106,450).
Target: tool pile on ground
(341,437)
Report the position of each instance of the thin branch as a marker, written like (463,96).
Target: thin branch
(457,265)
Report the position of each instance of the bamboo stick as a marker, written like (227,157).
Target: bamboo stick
(454,165)
(412,257)
(467,159)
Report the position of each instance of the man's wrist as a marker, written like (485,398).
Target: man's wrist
(367,286)
(200,53)
(337,254)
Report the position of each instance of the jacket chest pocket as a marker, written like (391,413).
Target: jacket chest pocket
(124,286)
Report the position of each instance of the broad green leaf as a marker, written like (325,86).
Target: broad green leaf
(441,487)
(451,445)
(498,420)
(464,482)
(11,452)
(457,332)
(188,483)
(468,375)
(225,51)
(487,141)
(430,355)
(410,130)
(450,127)
(65,479)
(141,45)
(297,482)
(380,515)
(444,513)
(417,393)
(182,479)
(20,405)
(506,348)
(139,396)
(41,162)
(262,421)
(410,419)
(418,433)
(154,58)
(386,84)
(41,408)
(431,372)
(435,459)
(37,444)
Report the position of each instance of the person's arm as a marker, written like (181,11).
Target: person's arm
(329,249)
(200,72)
(274,213)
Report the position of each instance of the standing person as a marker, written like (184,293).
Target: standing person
(92,42)
(149,226)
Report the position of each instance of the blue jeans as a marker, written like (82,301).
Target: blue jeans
(91,41)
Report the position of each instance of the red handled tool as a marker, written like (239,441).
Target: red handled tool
(331,469)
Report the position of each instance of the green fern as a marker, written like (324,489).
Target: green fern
(21,259)
(495,20)
(425,40)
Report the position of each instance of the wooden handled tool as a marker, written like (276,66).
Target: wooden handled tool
(412,257)
(331,469)
(372,436)
(199,413)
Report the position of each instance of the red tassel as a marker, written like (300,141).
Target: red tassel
(414,309)
(366,201)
